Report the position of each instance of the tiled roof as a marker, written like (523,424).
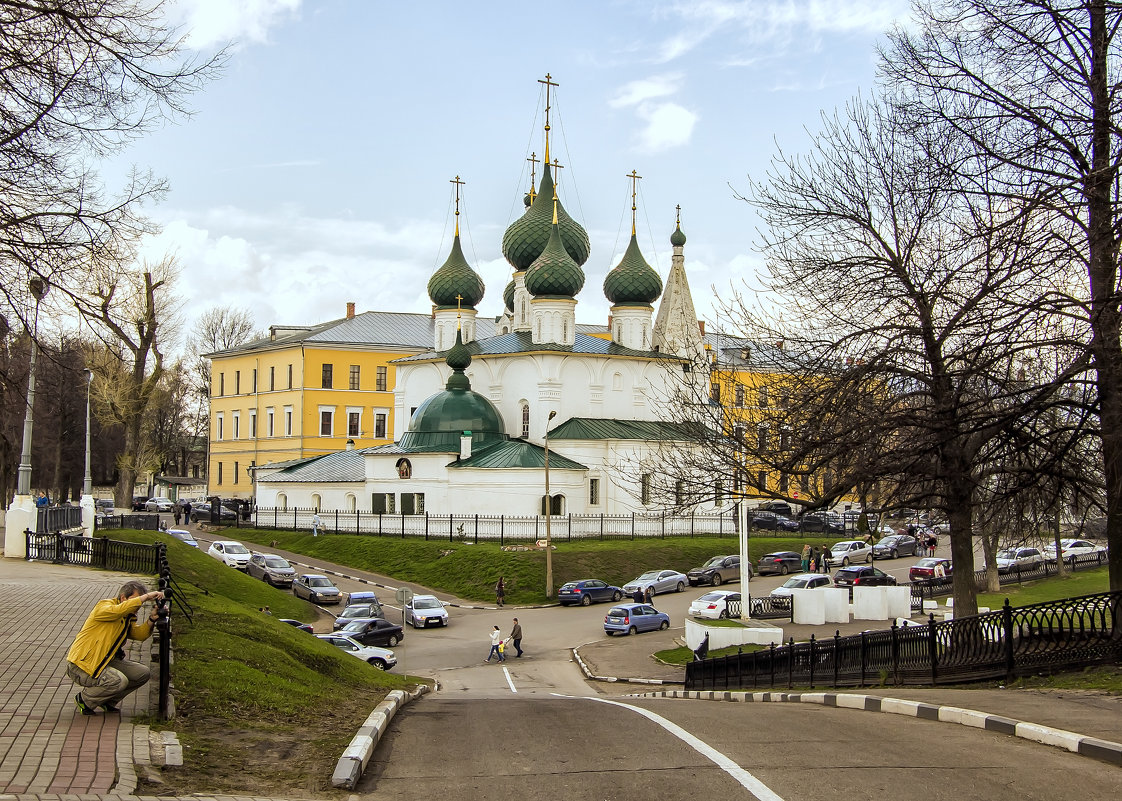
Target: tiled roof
(651,430)
(286,463)
(516,453)
(340,467)
(521,342)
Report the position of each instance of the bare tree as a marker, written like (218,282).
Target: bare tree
(220,328)
(1032,87)
(131,311)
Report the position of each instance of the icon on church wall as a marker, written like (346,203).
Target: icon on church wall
(404,469)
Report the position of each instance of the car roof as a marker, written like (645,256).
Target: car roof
(312,575)
(225,542)
(783,553)
(426,595)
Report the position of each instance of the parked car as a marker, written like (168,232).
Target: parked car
(297,624)
(316,588)
(356,611)
(381,658)
(425,610)
(138,503)
(822,521)
(717,571)
(183,536)
(713,604)
(769,521)
(803,581)
(930,567)
(1072,549)
(633,618)
(781,562)
(896,545)
(202,512)
(159,505)
(848,552)
(103,505)
(778,507)
(659,581)
(1011,559)
(231,552)
(863,575)
(587,591)
(271,569)
(374,631)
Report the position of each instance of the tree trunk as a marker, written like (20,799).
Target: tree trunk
(962,557)
(989,552)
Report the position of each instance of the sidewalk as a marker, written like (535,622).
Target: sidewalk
(46,746)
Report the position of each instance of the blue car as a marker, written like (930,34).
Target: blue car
(633,618)
(587,591)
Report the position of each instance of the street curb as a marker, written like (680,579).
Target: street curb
(588,674)
(349,768)
(1093,747)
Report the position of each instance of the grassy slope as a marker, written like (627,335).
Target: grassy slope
(241,677)
(470,571)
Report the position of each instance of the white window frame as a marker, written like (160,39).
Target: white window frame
(288,421)
(237,421)
(319,420)
(354,410)
(218,428)
(269,421)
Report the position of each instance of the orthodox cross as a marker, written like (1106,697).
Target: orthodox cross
(458,184)
(548,83)
(533,175)
(635,178)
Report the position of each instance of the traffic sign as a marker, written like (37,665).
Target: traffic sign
(403,595)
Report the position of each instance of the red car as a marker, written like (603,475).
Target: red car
(930,567)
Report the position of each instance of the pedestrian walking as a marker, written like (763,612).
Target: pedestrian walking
(496,643)
(806,558)
(814,559)
(500,592)
(932,544)
(95,660)
(317,525)
(516,637)
(177,512)
(648,596)
(827,557)
(186,512)
(637,596)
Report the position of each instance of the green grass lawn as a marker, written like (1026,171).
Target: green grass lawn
(1085,582)
(470,571)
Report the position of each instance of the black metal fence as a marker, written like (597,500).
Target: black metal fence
(507,528)
(138,522)
(935,587)
(57,518)
(1006,643)
(75,549)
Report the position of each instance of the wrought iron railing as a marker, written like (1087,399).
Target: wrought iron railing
(75,549)
(1006,643)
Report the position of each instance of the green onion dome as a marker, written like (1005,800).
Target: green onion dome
(632,282)
(678,239)
(508,296)
(455,277)
(526,237)
(554,273)
(442,418)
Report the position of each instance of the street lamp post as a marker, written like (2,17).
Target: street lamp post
(87,481)
(548,515)
(39,289)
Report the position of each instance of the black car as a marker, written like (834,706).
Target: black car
(587,591)
(297,624)
(781,562)
(367,609)
(864,576)
(775,507)
(717,571)
(202,512)
(822,521)
(374,631)
(895,546)
(138,503)
(769,521)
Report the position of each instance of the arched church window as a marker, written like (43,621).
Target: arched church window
(525,420)
(349,502)
(617,382)
(282,501)
(316,502)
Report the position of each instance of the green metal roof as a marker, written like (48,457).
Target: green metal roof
(455,278)
(678,239)
(516,453)
(554,274)
(653,430)
(527,236)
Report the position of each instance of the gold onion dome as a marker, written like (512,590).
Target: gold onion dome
(632,282)
(455,284)
(527,236)
(554,273)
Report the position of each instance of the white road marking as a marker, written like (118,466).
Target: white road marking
(509,680)
(746,779)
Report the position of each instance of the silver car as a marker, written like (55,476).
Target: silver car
(271,569)
(658,581)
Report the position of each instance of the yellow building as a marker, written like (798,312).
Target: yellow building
(307,391)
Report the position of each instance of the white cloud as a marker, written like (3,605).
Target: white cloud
(668,125)
(212,23)
(646,89)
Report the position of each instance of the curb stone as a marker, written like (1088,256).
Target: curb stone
(588,674)
(1093,747)
(349,768)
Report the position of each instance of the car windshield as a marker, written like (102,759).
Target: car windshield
(426,603)
(928,562)
(356,626)
(649,575)
(319,581)
(276,561)
(712,596)
(794,583)
(1007,554)
(356,611)
(714,562)
(235,547)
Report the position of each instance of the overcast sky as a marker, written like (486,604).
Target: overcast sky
(316,170)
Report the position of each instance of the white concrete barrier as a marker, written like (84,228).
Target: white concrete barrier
(870,603)
(809,607)
(837,604)
(899,601)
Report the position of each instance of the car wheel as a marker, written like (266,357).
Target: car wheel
(632,630)
(783,571)
(664,626)
(716,580)
(681,586)
(616,595)
(724,614)
(869,558)
(194,518)
(895,554)
(394,640)
(586,600)
(378,663)
(845,561)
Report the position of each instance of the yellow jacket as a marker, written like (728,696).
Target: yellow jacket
(110,623)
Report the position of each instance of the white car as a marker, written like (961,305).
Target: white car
(381,658)
(803,581)
(1010,559)
(183,536)
(1072,549)
(848,552)
(714,604)
(159,505)
(424,611)
(230,552)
